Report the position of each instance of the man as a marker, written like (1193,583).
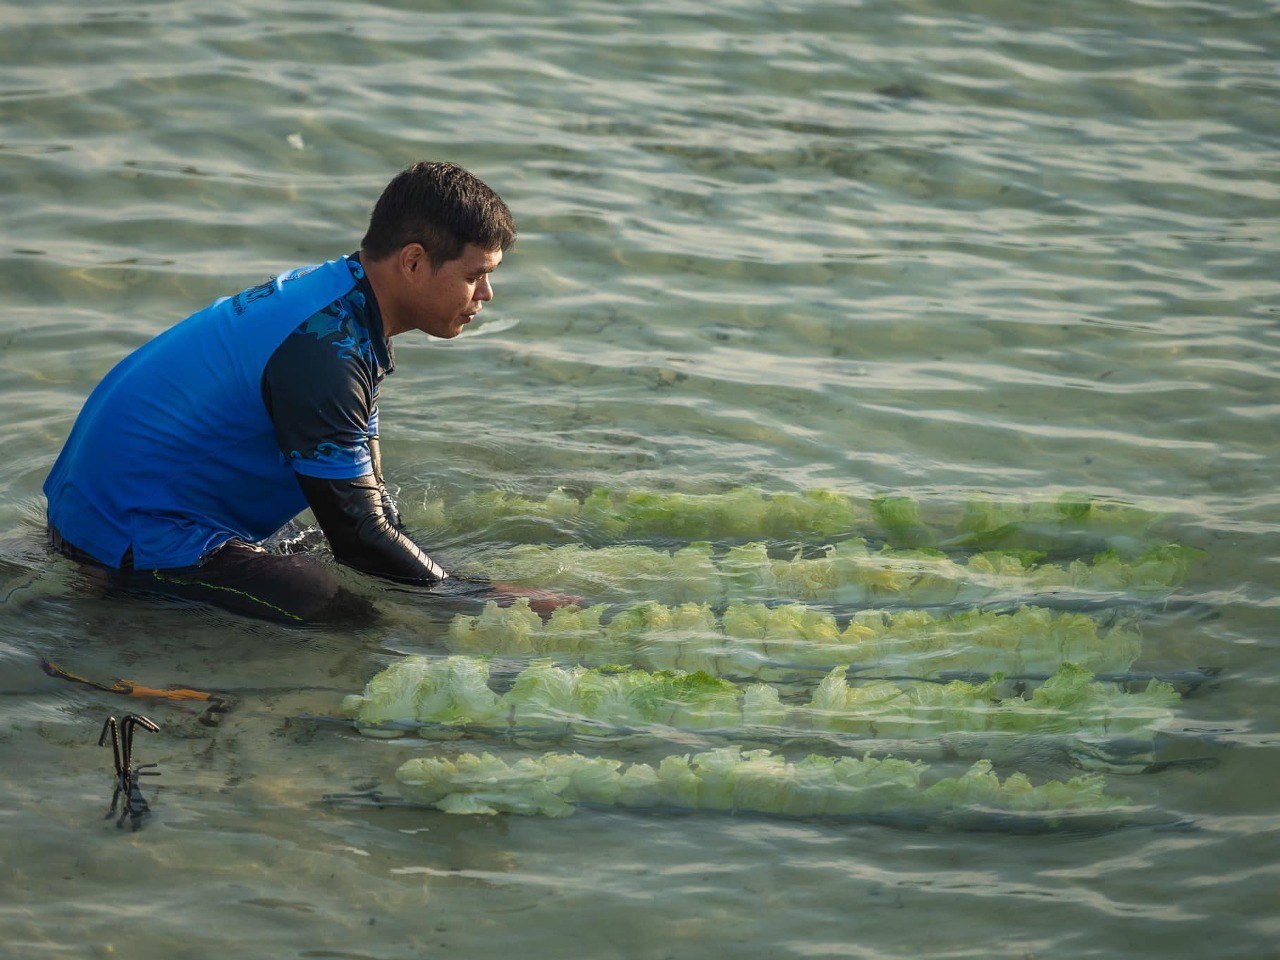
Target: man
(216,433)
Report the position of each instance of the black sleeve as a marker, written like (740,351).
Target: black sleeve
(363,537)
(320,390)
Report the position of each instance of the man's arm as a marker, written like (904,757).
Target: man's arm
(364,536)
(353,515)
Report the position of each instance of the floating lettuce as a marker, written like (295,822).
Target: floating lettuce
(620,572)
(849,573)
(747,514)
(1070,703)
(678,652)
(989,524)
(742,513)
(732,779)
(454,692)
(793,640)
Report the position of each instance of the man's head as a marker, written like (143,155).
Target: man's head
(443,208)
(436,234)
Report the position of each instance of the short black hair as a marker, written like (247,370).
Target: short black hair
(441,206)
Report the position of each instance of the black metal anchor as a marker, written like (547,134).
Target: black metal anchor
(135,806)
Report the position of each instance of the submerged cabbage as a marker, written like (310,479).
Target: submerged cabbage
(732,779)
(848,573)
(745,513)
(453,692)
(792,640)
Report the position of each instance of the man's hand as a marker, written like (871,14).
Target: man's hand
(541,602)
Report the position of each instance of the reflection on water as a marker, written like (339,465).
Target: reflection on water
(872,249)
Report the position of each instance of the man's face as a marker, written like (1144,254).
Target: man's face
(444,299)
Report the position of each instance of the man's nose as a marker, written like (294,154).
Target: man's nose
(483,290)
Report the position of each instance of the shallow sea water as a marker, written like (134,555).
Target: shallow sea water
(914,247)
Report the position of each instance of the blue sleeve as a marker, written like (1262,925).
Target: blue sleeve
(321,393)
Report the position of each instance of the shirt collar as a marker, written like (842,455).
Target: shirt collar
(381,344)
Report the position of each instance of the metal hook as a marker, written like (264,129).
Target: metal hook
(135,806)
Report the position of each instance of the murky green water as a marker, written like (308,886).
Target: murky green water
(917,247)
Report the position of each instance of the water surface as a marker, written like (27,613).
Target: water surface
(871,247)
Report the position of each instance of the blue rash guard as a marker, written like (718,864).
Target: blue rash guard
(197,437)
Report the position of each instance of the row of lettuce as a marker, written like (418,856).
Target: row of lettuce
(792,642)
(850,573)
(979,522)
(454,695)
(731,779)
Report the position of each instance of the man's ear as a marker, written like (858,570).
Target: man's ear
(412,257)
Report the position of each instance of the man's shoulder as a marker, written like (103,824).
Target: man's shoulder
(337,330)
(330,347)
(344,325)
(300,291)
